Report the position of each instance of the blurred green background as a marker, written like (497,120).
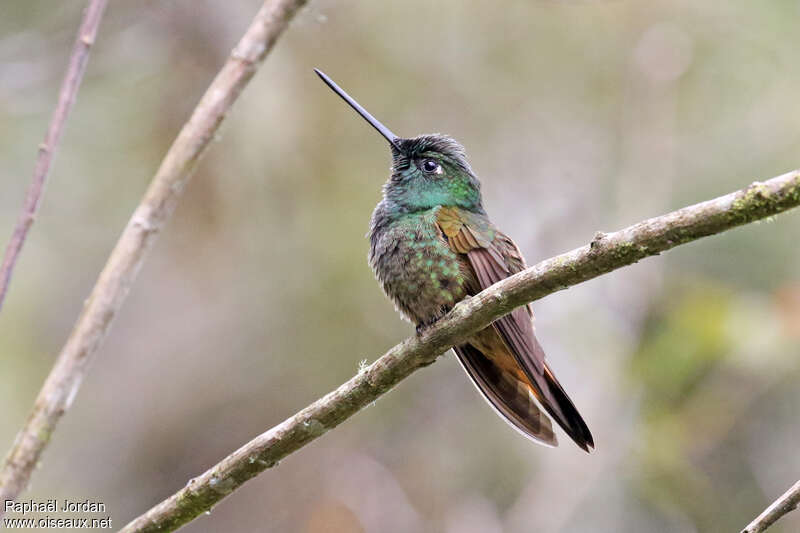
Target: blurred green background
(578,116)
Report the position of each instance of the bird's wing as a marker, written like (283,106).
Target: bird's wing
(493,256)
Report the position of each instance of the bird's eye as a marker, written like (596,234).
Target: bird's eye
(429,165)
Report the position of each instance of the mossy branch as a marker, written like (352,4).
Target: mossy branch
(137,239)
(605,253)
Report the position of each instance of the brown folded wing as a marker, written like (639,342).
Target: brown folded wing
(490,257)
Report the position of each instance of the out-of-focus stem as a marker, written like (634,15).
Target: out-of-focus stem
(47,150)
(137,238)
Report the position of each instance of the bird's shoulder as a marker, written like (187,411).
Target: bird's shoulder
(468,230)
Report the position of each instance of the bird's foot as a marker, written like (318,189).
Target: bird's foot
(422,327)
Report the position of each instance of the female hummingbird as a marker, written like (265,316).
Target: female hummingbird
(431,245)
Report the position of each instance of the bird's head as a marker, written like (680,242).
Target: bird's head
(427,171)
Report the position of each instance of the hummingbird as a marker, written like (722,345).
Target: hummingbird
(431,245)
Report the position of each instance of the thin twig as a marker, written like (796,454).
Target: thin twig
(605,253)
(786,503)
(66,98)
(137,238)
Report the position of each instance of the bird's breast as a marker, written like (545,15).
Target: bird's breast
(416,267)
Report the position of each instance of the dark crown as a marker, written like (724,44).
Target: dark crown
(435,142)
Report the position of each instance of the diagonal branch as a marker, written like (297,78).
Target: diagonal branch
(137,238)
(66,98)
(785,504)
(605,253)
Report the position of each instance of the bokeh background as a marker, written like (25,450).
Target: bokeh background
(578,117)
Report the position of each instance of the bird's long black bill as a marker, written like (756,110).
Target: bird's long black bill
(383,130)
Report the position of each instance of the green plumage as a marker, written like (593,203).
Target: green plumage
(416,268)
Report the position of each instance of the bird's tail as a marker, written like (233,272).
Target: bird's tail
(566,414)
(520,402)
(512,398)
